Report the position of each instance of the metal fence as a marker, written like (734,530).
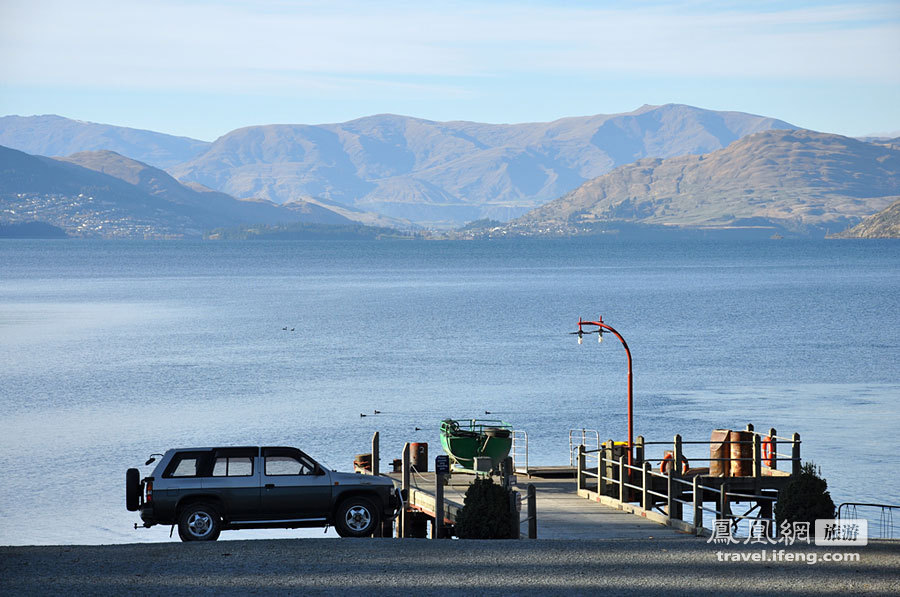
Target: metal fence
(879,516)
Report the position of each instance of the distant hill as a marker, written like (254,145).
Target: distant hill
(137,201)
(884,224)
(51,135)
(792,180)
(217,207)
(448,173)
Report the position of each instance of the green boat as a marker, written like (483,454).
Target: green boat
(463,441)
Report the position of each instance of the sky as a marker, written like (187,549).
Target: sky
(202,68)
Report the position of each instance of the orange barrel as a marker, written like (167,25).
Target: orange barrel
(362,462)
(741,453)
(418,457)
(719,448)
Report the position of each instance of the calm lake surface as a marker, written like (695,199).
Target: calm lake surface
(110,351)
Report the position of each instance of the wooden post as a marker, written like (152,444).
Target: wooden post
(795,455)
(404,516)
(757,458)
(515,532)
(375,455)
(724,508)
(611,456)
(437,528)
(698,507)
(621,478)
(646,480)
(670,503)
(582,480)
(677,455)
(532,512)
(677,467)
(766,512)
(602,463)
(774,444)
(506,471)
(639,450)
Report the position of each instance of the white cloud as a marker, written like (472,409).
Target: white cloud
(288,46)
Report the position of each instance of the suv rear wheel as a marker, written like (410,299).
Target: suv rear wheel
(356,517)
(199,522)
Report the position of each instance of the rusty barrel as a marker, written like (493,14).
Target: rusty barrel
(720,453)
(418,457)
(362,462)
(741,453)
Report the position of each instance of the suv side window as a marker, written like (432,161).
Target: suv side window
(287,461)
(186,464)
(233,463)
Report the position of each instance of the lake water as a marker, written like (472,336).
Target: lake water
(110,351)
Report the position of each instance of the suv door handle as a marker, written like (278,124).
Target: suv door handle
(270,486)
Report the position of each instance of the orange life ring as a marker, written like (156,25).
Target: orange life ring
(667,460)
(767,452)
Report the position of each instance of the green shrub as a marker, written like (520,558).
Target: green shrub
(485,513)
(805,498)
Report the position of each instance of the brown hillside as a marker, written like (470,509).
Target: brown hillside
(796,180)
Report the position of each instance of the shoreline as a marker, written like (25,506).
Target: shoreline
(426,567)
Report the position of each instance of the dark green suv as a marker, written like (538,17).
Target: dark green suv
(208,490)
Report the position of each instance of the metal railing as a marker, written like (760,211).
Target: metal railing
(885,521)
(519,450)
(668,496)
(587,435)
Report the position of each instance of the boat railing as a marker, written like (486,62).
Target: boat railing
(479,425)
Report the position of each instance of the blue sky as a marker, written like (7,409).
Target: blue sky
(202,68)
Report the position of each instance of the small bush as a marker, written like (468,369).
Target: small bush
(805,498)
(485,513)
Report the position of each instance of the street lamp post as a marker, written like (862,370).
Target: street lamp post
(599,331)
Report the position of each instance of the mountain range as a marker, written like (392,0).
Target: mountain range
(797,181)
(671,165)
(433,173)
(52,135)
(448,173)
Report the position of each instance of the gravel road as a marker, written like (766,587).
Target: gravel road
(451,567)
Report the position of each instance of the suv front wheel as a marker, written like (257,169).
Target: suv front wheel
(199,522)
(356,517)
